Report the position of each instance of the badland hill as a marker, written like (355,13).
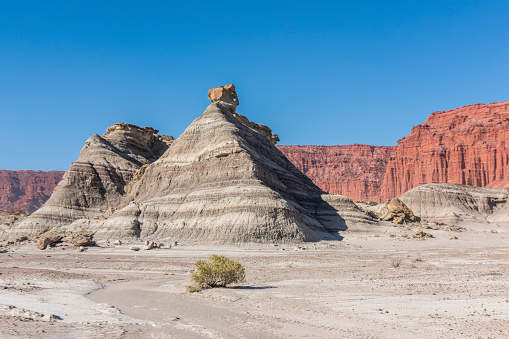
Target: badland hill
(221,181)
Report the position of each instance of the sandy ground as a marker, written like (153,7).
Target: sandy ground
(370,285)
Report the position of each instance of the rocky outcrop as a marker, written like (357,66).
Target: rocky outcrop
(226,95)
(397,212)
(467,145)
(356,171)
(223,181)
(94,185)
(26,190)
(455,204)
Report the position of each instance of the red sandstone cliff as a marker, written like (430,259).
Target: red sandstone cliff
(355,171)
(468,145)
(26,190)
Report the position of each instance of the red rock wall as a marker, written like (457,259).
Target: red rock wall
(26,190)
(355,171)
(467,145)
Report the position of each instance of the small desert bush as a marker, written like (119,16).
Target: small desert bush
(217,271)
(396,262)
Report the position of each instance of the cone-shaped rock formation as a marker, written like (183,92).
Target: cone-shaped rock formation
(224,181)
(221,181)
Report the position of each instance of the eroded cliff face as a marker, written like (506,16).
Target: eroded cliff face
(95,183)
(356,171)
(26,190)
(224,181)
(467,145)
(456,204)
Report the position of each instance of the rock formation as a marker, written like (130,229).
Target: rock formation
(356,171)
(26,190)
(94,185)
(397,212)
(467,145)
(455,204)
(224,181)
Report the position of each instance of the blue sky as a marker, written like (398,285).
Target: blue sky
(320,72)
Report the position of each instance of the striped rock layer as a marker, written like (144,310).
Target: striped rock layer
(94,185)
(223,181)
(456,204)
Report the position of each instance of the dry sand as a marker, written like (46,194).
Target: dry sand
(442,288)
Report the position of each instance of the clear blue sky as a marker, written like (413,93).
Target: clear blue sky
(316,72)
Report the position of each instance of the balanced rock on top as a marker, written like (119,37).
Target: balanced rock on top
(226,95)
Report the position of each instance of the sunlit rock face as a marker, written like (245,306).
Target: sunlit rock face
(467,145)
(94,185)
(356,171)
(221,181)
(26,190)
(456,204)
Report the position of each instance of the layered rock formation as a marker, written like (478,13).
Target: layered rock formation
(224,181)
(455,204)
(94,185)
(356,171)
(26,190)
(467,145)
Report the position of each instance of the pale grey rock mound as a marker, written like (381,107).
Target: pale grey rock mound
(94,185)
(354,217)
(501,215)
(221,181)
(224,181)
(458,204)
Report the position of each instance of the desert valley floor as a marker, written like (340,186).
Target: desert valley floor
(455,285)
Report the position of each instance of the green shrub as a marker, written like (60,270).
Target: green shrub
(217,271)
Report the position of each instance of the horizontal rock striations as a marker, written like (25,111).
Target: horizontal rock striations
(26,190)
(94,185)
(356,171)
(455,204)
(223,181)
(467,145)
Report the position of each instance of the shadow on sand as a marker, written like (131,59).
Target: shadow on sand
(251,287)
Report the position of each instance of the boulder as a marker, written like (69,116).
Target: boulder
(49,239)
(225,95)
(82,238)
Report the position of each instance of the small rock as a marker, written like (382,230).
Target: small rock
(21,239)
(51,317)
(134,248)
(82,249)
(117,243)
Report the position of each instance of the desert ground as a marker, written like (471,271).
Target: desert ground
(379,284)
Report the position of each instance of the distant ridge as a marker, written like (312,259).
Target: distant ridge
(467,145)
(26,190)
